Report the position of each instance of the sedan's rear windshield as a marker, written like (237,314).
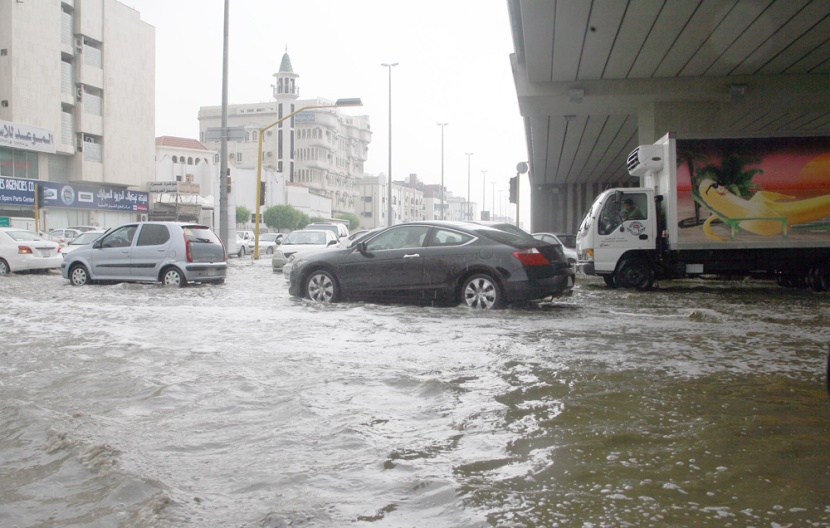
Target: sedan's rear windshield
(23,235)
(197,233)
(503,237)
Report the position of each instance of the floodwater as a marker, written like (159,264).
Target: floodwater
(701,404)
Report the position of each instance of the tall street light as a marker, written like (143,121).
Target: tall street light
(389,185)
(442,125)
(337,104)
(469,200)
(483,192)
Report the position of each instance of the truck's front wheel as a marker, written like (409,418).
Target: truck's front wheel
(635,273)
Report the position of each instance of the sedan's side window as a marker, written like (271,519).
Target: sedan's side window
(153,235)
(443,237)
(399,238)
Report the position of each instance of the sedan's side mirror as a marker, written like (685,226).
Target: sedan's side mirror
(97,244)
(361,246)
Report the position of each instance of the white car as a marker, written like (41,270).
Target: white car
(87,237)
(568,243)
(244,246)
(22,250)
(302,241)
(268,242)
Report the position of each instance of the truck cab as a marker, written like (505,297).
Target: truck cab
(617,235)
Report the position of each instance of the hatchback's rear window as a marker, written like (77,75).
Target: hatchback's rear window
(197,233)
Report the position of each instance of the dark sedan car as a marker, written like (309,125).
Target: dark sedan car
(436,263)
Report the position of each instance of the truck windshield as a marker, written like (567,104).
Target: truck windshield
(628,207)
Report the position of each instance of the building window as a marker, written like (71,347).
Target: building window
(239,157)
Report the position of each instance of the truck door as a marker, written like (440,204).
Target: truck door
(626,222)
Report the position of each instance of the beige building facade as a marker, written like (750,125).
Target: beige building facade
(77,103)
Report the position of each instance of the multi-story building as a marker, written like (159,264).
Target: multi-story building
(77,104)
(321,148)
(186,184)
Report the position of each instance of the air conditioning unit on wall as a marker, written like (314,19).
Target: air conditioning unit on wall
(143,217)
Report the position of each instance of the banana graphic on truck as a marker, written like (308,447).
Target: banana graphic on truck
(766,213)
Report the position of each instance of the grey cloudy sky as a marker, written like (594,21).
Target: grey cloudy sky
(453,68)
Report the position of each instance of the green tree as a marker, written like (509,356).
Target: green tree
(732,172)
(281,217)
(243,214)
(304,221)
(354,221)
(318,220)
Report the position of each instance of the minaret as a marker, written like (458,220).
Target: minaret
(286,93)
(286,85)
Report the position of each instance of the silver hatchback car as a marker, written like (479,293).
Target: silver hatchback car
(173,253)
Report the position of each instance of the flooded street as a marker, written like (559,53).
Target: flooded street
(701,404)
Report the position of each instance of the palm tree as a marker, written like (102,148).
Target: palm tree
(731,173)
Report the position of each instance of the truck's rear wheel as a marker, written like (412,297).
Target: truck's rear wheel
(635,273)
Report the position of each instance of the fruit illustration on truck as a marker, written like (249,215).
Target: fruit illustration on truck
(732,206)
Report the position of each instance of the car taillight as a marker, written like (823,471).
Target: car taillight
(24,250)
(187,250)
(531,257)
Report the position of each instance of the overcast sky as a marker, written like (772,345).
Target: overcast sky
(454,68)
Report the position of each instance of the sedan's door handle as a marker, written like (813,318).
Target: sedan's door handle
(412,255)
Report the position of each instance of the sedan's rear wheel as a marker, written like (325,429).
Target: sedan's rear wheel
(78,275)
(321,287)
(481,292)
(173,277)
(4,267)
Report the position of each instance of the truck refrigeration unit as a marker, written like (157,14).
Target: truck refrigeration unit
(726,207)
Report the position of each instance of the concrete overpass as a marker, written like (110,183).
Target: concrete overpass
(596,78)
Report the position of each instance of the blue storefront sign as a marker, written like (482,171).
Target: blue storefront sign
(19,192)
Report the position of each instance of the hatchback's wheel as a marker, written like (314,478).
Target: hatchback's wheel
(241,252)
(635,273)
(269,251)
(4,267)
(321,287)
(78,275)
(173,277)
(481,292)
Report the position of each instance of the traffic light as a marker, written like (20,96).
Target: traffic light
(39,195)
(261,193)
(514,183)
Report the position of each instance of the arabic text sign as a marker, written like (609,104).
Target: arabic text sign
(26,137)
(14,191)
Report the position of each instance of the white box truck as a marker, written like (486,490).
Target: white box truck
(732,206)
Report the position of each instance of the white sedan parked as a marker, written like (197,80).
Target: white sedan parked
(22,250)
(302,241)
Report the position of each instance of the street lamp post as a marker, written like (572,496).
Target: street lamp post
(469,199)
(389,184)
(483,192)
(493,210)
(337,104)
(442,125)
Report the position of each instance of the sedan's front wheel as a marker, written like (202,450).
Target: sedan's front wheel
(481,292)
(321,287)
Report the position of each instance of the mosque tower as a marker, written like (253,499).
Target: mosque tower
(286,92)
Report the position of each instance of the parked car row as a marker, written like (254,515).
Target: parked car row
(479,265)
